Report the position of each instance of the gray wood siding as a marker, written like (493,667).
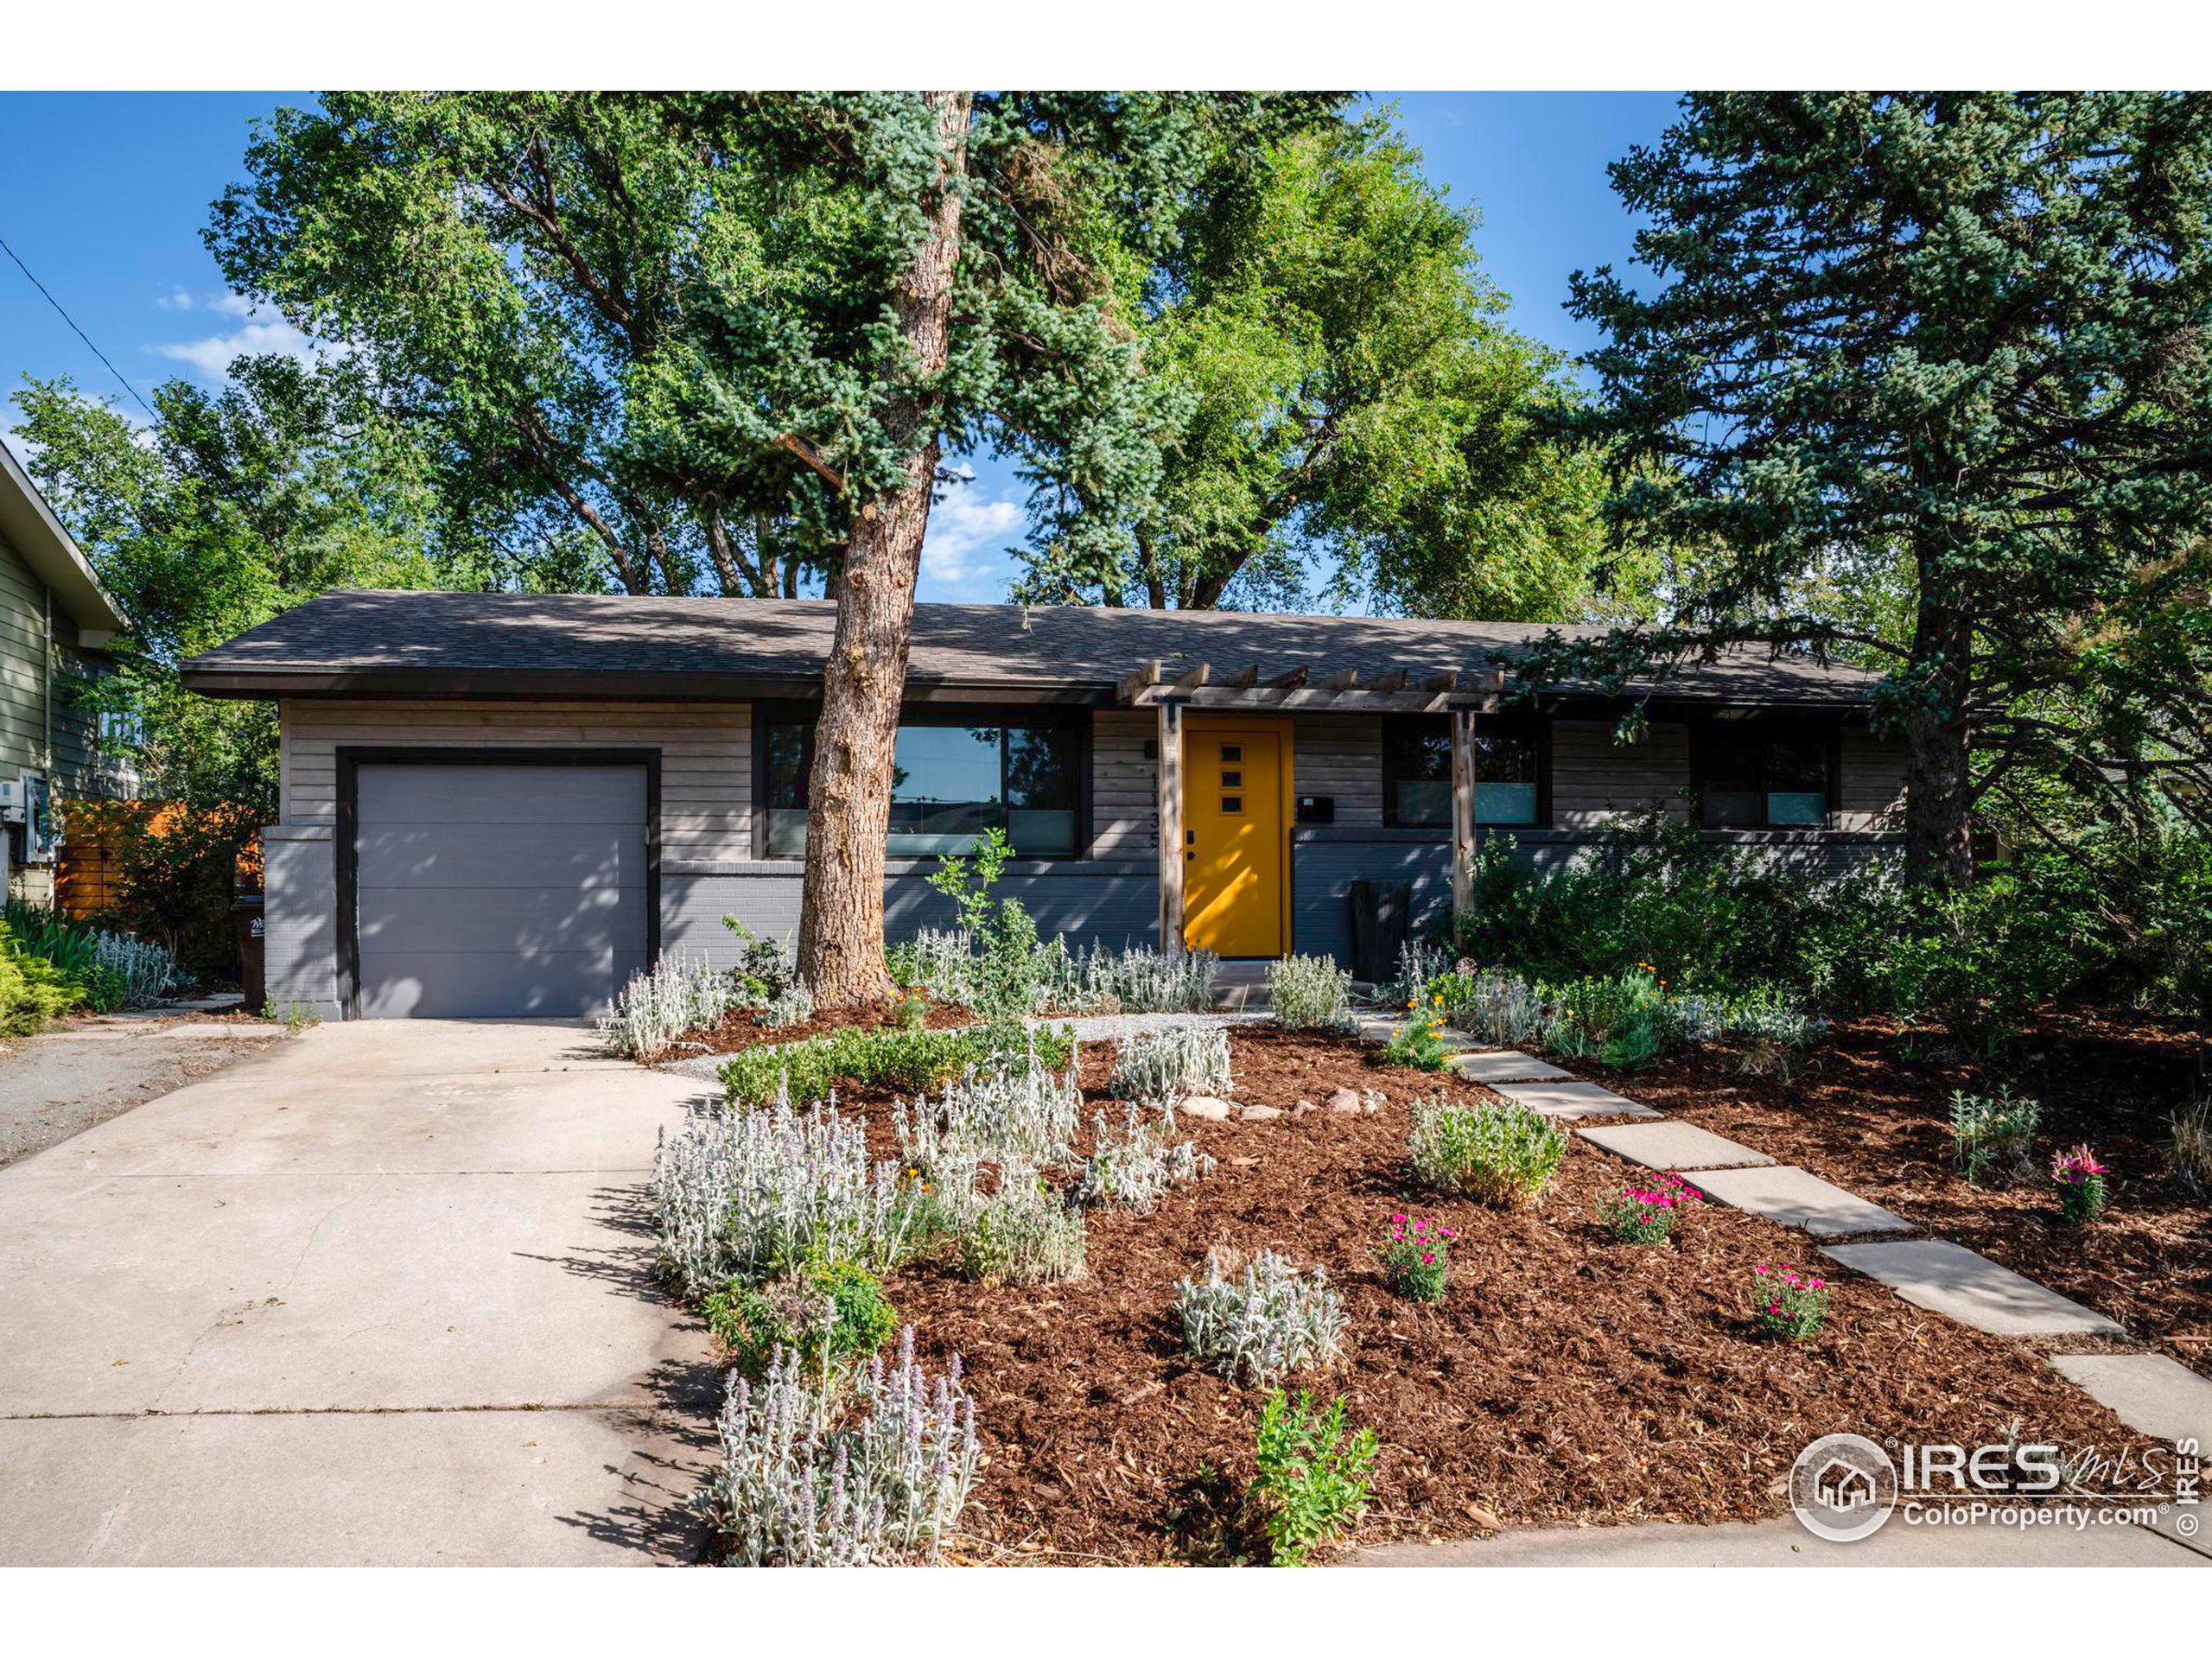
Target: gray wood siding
(1595,779)
(1341,757)
(73,763)
(1873,783)
(706,749)
(1124,784)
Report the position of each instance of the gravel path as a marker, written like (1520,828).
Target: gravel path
(62,1083)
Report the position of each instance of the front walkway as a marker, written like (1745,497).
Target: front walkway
(378,1297)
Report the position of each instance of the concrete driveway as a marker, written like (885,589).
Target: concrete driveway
(379,1296)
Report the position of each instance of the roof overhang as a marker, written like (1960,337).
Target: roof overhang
(54,557)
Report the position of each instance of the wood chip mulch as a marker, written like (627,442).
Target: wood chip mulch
(1565,1378)
(1872,1113)
(741,1028)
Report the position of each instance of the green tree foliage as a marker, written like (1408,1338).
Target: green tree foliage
(1927,377)
(524,271)
(1339,407)
(236,505)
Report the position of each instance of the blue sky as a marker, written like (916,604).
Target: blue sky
(106,193)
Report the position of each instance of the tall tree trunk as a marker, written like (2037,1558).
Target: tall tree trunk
(1938,778)
(848,791)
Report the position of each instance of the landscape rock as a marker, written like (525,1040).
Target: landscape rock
(1342,1100)
(1259,1114)
(1373,1100)
(1204,1106)
(1301,1108)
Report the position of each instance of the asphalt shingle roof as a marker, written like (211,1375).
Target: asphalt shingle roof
(367,641)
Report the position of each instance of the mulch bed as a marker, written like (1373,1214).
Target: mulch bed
(741,1028)
(1565,1378)
(1871,1117)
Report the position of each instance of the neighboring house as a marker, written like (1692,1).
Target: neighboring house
(505,804)
(56,624)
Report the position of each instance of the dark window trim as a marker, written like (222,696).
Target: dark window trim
(1060,717)
(1538,727)
(352,757)
(1765,727)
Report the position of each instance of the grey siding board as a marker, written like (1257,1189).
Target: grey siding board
(1873,782)
(1325,870)
(1124,784)
(1114,906)
(1595,779)
(61,741)
(300,912)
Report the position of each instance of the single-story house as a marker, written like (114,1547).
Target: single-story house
(56,626)
(499,804)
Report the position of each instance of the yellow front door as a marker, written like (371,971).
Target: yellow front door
(1235,779)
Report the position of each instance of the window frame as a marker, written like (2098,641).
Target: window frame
(1536,728)
(1003,716)
(1761,730)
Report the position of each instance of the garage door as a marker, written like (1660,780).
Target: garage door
(490,891)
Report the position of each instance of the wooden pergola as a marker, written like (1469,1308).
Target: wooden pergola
(1173,689)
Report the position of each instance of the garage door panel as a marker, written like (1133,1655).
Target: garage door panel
(515,794)
(489,984)
(583,857)
(498,891)
(522,921)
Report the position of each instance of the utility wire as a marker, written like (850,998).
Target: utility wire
(79,332)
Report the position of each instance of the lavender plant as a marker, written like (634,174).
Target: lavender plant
(1137,1167)
(803,1484)
(1163,1067)
(749,1193)
(676,995)
(1255,1321)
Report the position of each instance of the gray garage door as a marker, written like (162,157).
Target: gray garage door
(499,890)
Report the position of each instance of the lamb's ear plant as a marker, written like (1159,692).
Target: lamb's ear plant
(1138,1167)
(1993,1136)
(1258,1321)
(1309,994)
(1163,1067)
(1312,1476)
(805,1481)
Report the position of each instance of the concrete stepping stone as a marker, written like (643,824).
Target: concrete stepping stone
(1798,1198)
(1951,1279)
(2152,1394)
(1673,1145)
(1572,1098)
(1505,1065)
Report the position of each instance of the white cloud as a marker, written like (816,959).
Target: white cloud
(964,556)
(175,300)
(233,305)
(213,355)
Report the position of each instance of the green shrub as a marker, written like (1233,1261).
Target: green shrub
(33,993)
(912,1062)
(1993,1136)
(1026,1236)
(1313,1477)
(831,1314)
(1505,1155)
(1420,1042)
(1310,993)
